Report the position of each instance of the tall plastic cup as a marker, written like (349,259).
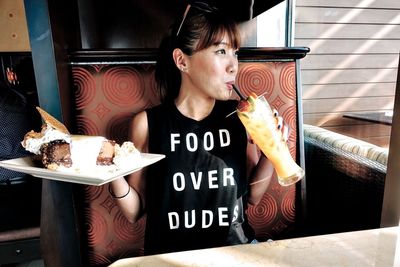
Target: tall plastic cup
(260,123)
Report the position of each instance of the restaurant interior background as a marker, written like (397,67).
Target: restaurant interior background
(347,81)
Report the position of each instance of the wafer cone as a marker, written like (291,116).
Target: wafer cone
(53,122)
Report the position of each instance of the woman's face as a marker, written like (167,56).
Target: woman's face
(212,71)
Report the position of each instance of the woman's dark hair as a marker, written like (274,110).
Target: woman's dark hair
(200,27)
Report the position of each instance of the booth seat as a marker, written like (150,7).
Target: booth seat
(347,143)
(110,87)
(345,182)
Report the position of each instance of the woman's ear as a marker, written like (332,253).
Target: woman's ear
(179,59)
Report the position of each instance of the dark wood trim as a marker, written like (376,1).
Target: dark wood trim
(272,53)
(127,56)
(391,204)
(59,240)
(118,56)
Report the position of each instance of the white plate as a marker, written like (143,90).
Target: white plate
(98,176)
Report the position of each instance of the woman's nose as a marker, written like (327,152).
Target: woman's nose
(233,66)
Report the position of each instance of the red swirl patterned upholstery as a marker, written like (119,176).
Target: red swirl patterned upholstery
(106,97)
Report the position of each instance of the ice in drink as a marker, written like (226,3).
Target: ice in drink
(259,121)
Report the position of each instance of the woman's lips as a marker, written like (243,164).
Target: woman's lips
(229,85)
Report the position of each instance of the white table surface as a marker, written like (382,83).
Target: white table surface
(375,247)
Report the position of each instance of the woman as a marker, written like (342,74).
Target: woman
(197,196)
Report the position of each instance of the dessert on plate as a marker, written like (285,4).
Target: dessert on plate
(59,150)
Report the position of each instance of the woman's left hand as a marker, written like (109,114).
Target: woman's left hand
(281,125)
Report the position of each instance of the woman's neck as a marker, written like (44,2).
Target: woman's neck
(194,107)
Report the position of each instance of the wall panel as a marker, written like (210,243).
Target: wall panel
(347,31)
(13,27)
(343,105)
(326,91)
(350,46)
(335,76)
(349,61)
(353,60)
(352,3)
(352,15)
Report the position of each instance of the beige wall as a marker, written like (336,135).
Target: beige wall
(13,27)
(352,65)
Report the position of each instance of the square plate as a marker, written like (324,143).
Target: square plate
(98,176)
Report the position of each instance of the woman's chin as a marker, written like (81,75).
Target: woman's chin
(225,96)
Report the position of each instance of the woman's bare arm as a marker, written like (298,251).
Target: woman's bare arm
(260,174)
(261,168)
(132,204)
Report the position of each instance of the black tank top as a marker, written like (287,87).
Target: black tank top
(196,196)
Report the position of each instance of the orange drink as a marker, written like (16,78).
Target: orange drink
(259,121)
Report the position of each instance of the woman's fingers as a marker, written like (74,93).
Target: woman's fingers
(275,112)
(285,132)
(279,122)
(281,125)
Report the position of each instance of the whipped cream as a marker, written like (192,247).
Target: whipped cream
(126,155)
(85,150)
(48,134)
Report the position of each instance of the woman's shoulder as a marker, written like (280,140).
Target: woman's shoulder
(139,120)
(157,109)
(161,112)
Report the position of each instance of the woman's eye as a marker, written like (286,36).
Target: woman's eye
(221,51)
